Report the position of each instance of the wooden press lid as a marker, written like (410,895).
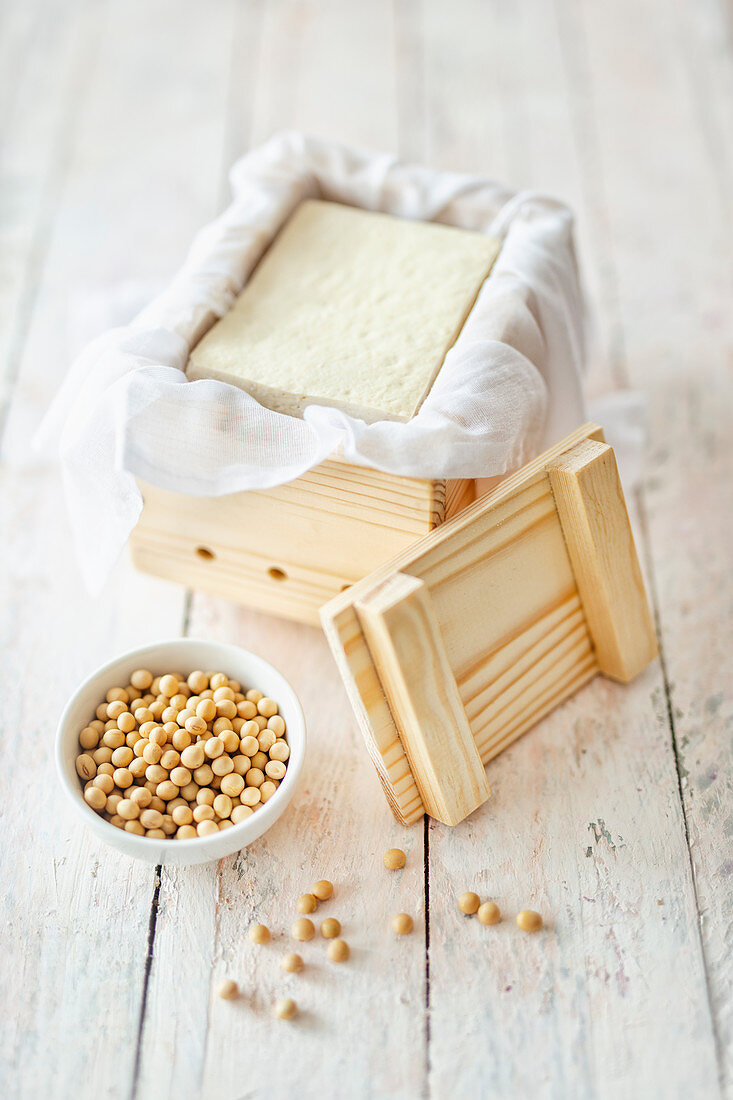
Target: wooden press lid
(462,642)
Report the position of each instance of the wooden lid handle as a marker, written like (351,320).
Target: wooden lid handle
(403,637)
(600,544)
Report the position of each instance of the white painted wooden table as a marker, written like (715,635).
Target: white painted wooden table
(614,817)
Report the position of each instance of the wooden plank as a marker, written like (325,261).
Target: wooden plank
(307,51)
(45,54)
(686,376)
(404,639)
(93,105)
(595,523)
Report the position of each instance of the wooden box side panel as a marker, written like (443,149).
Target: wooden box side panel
(290,549)
(458,495)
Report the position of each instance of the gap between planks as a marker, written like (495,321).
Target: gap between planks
(426,887)
(152,925)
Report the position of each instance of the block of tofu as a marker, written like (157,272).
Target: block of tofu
(348,308)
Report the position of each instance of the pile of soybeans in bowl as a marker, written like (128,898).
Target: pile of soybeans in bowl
(181,757)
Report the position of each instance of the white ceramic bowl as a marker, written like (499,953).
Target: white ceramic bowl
(183,655)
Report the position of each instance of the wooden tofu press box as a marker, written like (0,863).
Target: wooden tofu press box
(456,624)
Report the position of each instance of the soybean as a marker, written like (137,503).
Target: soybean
(394,859)
(529,921)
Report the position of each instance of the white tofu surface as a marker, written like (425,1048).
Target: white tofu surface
(348,308)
